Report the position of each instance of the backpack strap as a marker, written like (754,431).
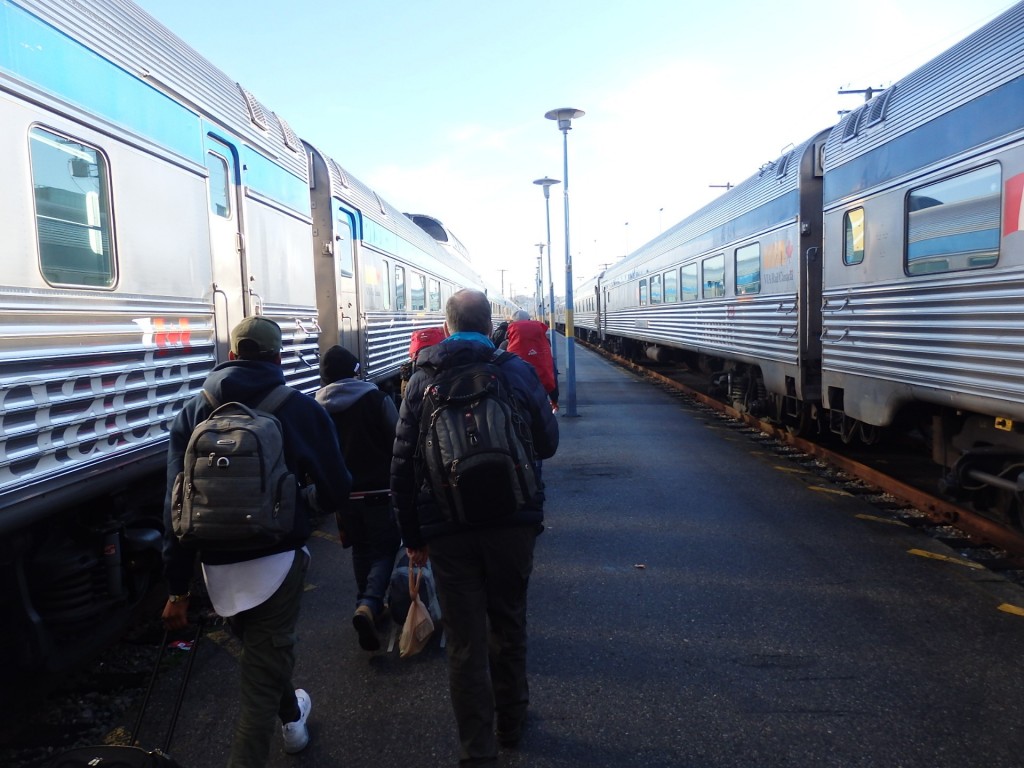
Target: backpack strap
(212,401)
(275,399)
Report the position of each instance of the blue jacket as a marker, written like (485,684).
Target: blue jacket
(310,450)
(418,515)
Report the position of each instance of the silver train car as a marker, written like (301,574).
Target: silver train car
(870,278)
(150,203)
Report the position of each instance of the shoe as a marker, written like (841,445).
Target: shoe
(296,734)
(366,625)
(510,733)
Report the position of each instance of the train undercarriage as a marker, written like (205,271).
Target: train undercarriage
(74,578)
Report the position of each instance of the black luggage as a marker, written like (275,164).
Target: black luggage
(112,756)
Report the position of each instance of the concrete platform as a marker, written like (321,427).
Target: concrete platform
(695,603)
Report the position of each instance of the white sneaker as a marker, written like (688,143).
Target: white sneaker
(296,735)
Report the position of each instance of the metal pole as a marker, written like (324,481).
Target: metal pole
(565,116)
(570,346)
(551,288)
(547,183)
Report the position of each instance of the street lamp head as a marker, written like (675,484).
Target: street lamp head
(564,116)
(547,184)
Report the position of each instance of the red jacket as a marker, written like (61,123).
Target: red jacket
(528,339)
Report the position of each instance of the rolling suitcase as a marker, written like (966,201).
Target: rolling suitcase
(113,756)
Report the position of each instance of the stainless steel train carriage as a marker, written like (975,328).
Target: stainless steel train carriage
(150,202)
(923,297)
(734,288)
(380,274)
(899,300)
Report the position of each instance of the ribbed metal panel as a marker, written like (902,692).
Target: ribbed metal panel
(953,339)
(125,34)
(992,56)
(388,337)
(89,380)
(761,331)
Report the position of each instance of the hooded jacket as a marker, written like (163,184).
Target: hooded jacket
(419,516)
(311,452)
(365,419)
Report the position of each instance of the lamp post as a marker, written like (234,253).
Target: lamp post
(565,116)
(547,183)
(540,282)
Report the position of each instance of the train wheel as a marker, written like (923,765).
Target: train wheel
(1010,505)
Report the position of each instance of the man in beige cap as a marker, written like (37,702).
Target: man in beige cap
(258,590)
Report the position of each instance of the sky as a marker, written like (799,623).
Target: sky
(438,105)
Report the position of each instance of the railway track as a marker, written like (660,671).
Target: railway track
(901,483)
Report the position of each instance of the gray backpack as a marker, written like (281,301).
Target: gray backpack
(235,491)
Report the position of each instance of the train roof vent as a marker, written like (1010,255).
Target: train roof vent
(291,139)
(879,105)
(852,126)
(257,114)
(380,204)
(783,165)
(338,172)
(430,225)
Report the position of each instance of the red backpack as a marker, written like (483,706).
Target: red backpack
(528,339)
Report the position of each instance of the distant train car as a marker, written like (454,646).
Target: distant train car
(731,288)
(150,203)
(872,277)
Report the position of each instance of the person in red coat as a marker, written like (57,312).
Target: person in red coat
(529,340)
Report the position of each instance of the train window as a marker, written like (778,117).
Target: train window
(954,224)
(343,246)
(655,289)
(688,282)
(748,269)
(375,282)
(853,237)
(643,293)
(72,202)
(713,275)
(219,185)
(417,292)
(434,295)
(399,288)
(669,279)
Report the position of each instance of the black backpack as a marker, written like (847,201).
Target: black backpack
(475,448)
(235,491)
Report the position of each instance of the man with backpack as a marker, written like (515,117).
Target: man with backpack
(244,456)
(365,419)
(529,339)
(472,422)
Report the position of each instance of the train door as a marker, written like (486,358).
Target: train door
(230,297)
(345,267)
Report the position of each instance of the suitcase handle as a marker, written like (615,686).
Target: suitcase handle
(181,687)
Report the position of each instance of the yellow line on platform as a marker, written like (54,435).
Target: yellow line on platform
(946,558)
(876,519)
(1016,610)
(834,491)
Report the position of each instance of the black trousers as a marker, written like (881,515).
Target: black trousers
(482,578)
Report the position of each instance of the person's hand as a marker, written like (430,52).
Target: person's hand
(418,557)
(175,615)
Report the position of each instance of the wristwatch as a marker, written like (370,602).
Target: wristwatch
(178,598)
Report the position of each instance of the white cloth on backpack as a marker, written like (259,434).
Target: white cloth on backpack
(237,587)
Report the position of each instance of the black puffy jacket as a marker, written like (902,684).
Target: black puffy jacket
(419,516)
